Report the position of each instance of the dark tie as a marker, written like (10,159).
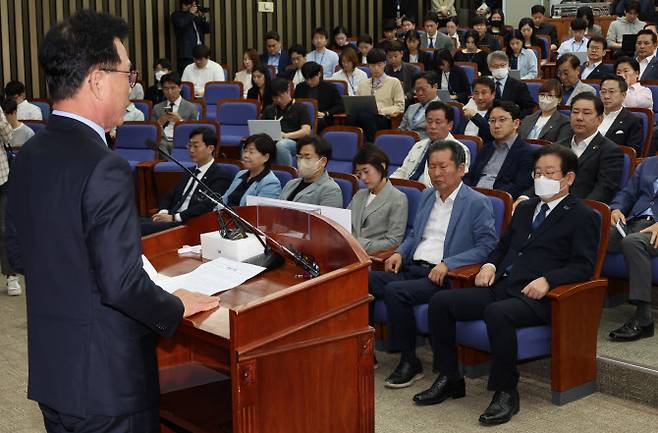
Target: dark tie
(499,90)
(171,110)
(189,188)
(420,168)
(541,216)
(431,44)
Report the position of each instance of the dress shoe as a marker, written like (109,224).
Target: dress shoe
(502,408)
(632,330)
(405,374)
(441,389)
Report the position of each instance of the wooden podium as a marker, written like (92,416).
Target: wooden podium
(282,353)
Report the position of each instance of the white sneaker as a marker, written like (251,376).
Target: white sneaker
(13,286)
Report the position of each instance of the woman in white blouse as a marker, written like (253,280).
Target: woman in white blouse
(249,60)
(637,96)
(349,73)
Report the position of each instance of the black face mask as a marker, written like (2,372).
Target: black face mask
(496,23)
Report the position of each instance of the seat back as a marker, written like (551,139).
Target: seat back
(545,45)
(312,107)
(44,106)
(284,173)
(653,86)
(182,132)
(35,125)
(232,116)
(418,66)
(396,144)
(341,86)
(345,142)
(533,88)
(646,116)
(471,69)
(413,190)
(349,185)
(218,91)
(473,142)
(594,83)
(131,139)
(629,165)
(145,106)
(227,71)
(187,90)
(501,202)
(365,69)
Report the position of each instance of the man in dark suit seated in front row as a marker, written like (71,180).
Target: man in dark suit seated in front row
(186,200)
(552,240)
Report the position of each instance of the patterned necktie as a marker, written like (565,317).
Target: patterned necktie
(541,216)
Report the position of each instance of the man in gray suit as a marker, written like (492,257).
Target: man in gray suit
(568,71)
(315,186)
(173,109)
(433,38)
(426,88)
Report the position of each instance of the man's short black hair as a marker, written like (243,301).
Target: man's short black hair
(431,77)
(458,154)
(296,48)
(438,105)
(485,81)
(587,96)
(74,47)
(14,89)
(600,39)
(172,77)
(310,70)
(264,145)
(632,6)
(201,52)
(9,106)
(208,135)
(272,35)
(365,39)
(623,85)
(568,58)
(322,146)
(164,62)
(508,106)
(568,159)
(320,31)
(373,155)
(476,20)
(389,26)
(537,9)
(578,24)
(394,46)
(375,56)
(279,86)
(431,16)
(654,38)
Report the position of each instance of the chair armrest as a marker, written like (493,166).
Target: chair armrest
(465,274)
(382,255)
(148,164)
(563,293)
(340,119)
(396,120)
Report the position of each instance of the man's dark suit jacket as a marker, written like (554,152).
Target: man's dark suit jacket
(638,194)
(599,72)
(458,84)
(217,178)
(627,130)
(562,250)
(423,57)
(93,313)
(489,41)
(550,30)
(515,175)
(409,74)
(599,169)
(329,99)
(651,71)
(484,132)
(517,91)
(185,36)
(284,60)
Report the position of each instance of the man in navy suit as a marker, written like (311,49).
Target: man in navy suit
(274,55)
(508,88)
(190,26)
(506,162)
(93,314)
(552,240)
(475,119)
(594,68)
(635,208)
(645,50)
(454,227)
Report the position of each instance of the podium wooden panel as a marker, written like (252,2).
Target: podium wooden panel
(282,353)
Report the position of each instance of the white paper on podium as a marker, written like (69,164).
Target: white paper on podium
(211,277)
(340,216)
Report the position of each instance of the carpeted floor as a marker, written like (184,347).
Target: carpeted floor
(395,413)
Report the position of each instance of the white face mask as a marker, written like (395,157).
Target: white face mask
(307,168)
(159,75)
(547,103)
(546,188)
(500,73)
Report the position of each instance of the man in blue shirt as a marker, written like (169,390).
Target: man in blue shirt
(274,55)
(321,55)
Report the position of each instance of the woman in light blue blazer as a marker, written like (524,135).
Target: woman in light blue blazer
(520,58)
(379,211)
(257,156)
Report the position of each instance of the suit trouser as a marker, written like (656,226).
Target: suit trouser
(401,292)
(4,260)
(502,314)
(637,251)
(147,421)
(370,123)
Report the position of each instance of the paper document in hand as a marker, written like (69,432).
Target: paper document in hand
(212,277)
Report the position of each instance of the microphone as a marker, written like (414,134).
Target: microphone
(269,259)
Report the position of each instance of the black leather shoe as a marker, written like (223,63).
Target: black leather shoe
(405,374)
(632,330)
(442,389)
(502,408)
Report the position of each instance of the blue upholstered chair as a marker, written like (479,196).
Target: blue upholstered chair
(232,116)
(647,128)
(365,69)
(533,88)
(131,139)
(35,125)
(629,165)
(44,106)
(340,85)
(345,142)
(396,144)
(218,91)
(187,90)
(284,173)
(312,107)
(473,142)
(182,132)
(145,106)
(348,183)
(470,68)
(457,110)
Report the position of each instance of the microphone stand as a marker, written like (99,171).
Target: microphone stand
(269,259)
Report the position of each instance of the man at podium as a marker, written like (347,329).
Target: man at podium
(93,314)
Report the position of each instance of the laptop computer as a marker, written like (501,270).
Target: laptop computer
(356,104)
(628,44)
(269,127)
(515,73)
(444,95)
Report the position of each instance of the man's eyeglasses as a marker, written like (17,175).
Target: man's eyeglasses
(132,75)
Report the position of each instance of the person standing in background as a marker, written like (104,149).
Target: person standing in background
(190,26)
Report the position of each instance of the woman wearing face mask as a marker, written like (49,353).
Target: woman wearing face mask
(497,24)
(315,186)
(522,59)
(379,211)
(453,77)
(260,89)
(637,96)
(547,123)
(250,59)
(154,93)
(471,53)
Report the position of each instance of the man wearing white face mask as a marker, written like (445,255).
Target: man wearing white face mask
(551,241)
(315,186)
(154,93)
(508,88)
(547,123)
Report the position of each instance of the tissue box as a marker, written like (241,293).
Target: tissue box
(213,246)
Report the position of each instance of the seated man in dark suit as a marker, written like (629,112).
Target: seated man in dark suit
(506,162)
(475,120)
(314,87)
(619,123)
(396,68)
(542,27)
(508,88)
(186,200)
(551,241)
(635,208)
(274,55)
(645,50)
(454,227)
(594,68)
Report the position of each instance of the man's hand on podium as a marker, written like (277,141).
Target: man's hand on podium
(196,302)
